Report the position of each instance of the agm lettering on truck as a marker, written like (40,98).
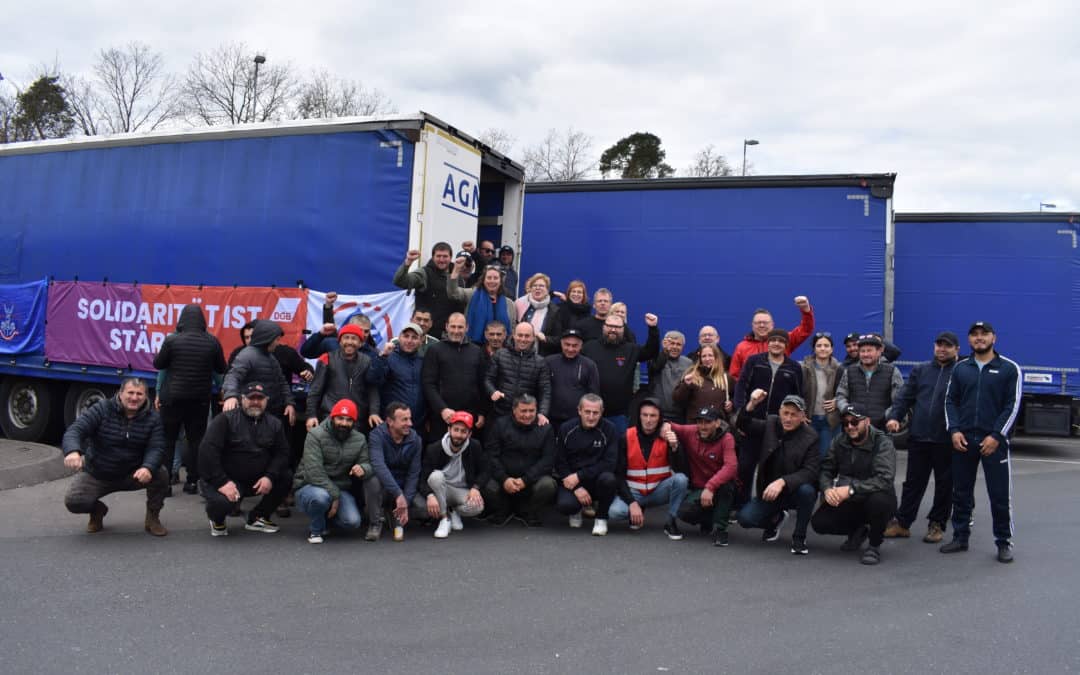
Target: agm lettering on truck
(461,192)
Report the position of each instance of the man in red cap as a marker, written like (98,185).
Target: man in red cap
(342,375)
(453,469)
(335,455)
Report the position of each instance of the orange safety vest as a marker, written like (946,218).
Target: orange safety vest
(642,476)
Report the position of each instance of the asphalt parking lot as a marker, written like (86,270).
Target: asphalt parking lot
(535,600)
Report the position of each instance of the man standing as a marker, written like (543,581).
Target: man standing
(519,370)
(245,452)
(482,258)
(585,451)
(343,375)
(453,378)
(397,375)
(708,335)
(572,376)
(421,318)
(665,373)
(396,452)
(929,448)
(871,384)
(256,363)
(645,474)
(787,472)
(857,482)
(510,276)
(521,454)
(192,356)
(617,361)
(453,470)
(981,405)
(761,324)
(592,327)
(709,449)
(429,284)
(117,445)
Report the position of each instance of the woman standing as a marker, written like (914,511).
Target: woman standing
(819,389)
(535,307)
(483,304)
(705,385)
(575,307)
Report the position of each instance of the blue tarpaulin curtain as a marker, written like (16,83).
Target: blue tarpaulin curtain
(22,317)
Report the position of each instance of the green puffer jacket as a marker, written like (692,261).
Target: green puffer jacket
(327,461)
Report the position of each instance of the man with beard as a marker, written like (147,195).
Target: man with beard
(256,363)
(787,472)
(453,378)
(519,370)
(117,445)
(872,384)
(857,483)
(617,360)
(709,449)
(646,473)
(343,376)
(335,457)
(245,452)
(756,341)
(585,451)
(494,340)
(429,284)
(981,405)
(452,471)
(521,454)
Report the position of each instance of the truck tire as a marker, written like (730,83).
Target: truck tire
(26,407)
(81,396)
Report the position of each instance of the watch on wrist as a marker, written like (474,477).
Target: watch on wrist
(851,491)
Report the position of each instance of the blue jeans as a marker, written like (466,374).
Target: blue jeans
(670,491)
(759,513)
(824,432)
(620,423)
(315,502)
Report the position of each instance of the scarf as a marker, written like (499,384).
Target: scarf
(537,312)
(482,311)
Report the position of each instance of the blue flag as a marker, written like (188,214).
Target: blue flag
(22,317)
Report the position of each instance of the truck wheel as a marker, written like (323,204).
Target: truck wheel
(80,397)
(25,409)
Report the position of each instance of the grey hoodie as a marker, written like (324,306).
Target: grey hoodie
(255,364)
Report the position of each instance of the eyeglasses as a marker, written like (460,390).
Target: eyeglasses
(853,422)
(608,325)
(487,250)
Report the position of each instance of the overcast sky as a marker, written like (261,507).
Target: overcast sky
(973,105)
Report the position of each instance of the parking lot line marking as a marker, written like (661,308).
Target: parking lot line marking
(1051,461)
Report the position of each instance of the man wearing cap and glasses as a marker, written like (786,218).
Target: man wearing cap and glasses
(452,474)
(787,471)
(709,451)
(929,446)
(871,384)
(981,405)
(510,277)
(245,452)
(857,482)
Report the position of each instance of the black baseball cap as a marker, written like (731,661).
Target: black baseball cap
(572,333)
(795,400)
(851,337)
(505,249)
(947,337)
(981,325)
(254,389)
(854,411)
(709,413)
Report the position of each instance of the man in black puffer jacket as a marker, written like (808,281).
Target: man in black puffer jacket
(256,363)
(118,444)
(518,370)
(521,454)
(192,356)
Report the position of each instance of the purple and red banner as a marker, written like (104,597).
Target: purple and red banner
(124,325)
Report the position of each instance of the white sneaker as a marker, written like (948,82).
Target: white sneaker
(218,530)
(314,538)
(575,520)
(599,527)
(455,522)
(443,530)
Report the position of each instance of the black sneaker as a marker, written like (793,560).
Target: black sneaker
(671,529)
(773,533)
(871,556)
(798,546)
(855,540)
(719,538)
(1005,554)
(191,487)
(954,546)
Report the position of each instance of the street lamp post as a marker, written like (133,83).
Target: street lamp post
(1047,205)
(746,142)
(259,60)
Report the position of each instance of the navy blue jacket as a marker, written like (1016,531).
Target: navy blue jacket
(396,464)
(398,376)
(113,445)
(981,402)
(756,373)
(924,395)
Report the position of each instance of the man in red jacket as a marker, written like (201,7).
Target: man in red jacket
(756,341)
(708,449)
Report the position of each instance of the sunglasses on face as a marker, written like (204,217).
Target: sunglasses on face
(487,250)
(852,422)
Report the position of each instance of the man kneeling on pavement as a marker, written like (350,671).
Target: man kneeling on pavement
(787,470)
(452,471)
(245,452)
(857,482)
(124,453)
(645,473)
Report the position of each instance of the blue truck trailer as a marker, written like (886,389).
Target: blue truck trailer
(1019,271)
(327,204)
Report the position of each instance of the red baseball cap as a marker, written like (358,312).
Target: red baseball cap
(344,408)
(463,417)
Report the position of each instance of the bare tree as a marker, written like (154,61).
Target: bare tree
(708,162)
(85,103)
(220,87)
(499,140)
(134,91)
(8,109)
(561,156)
(327,96)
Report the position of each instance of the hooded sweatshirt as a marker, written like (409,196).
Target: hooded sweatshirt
(255,363)
(192,356)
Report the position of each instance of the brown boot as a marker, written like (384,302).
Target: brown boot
(934,533)
(97,516)
(895,529)
(153,523)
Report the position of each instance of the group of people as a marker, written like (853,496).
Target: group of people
(494,407)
